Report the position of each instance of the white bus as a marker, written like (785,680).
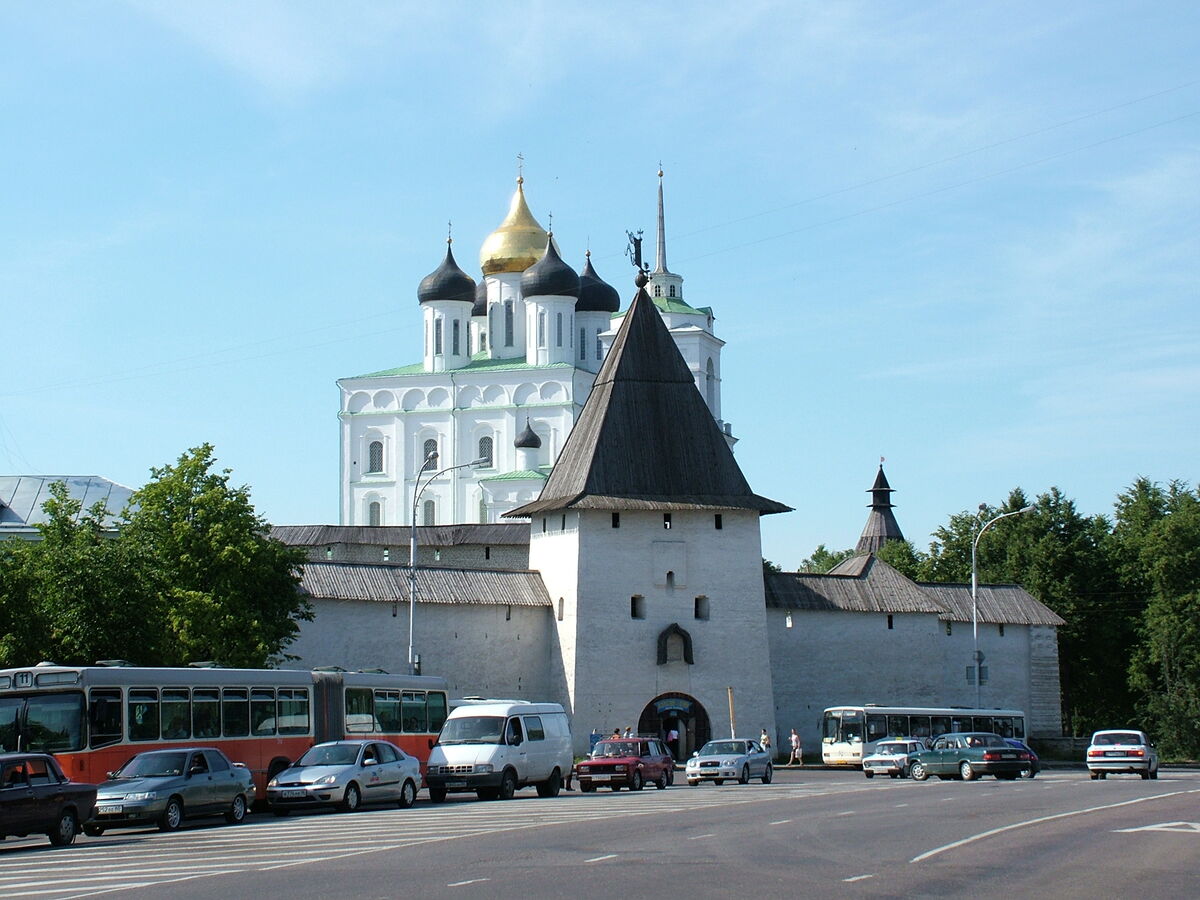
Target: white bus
(848,733)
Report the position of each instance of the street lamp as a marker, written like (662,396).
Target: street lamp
(975,600)
(418,489)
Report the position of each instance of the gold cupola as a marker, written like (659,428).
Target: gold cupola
(518,243)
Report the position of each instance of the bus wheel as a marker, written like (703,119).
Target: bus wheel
(172,816)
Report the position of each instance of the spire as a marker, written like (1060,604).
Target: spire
(881,524)
(660,266)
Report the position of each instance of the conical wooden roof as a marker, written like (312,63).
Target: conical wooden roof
(645,438)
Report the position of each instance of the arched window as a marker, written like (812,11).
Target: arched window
(487,551)
(558,329)
(541,328)
(482,340)
(427,511)
(430,447)
(492,326)
(599,346)
(454,339)
(426,338)
(582,343)
(375,513)
(658,290)
(375,457)
(485,449)
(508,323)
(710,387)
(671,290)
(437,337)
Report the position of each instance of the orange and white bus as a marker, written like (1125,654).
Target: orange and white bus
(94,718)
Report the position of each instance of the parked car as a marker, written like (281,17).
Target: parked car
(37,798)
(629,762)
(1035,765)
(164,787)
(740,758)
(346,774)
(1121,750)
(968,755)
(892,757)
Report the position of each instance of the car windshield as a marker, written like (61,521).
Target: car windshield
(153,765)
(472,730)
(1117,737)
(716,748)
(616,748)
(330,755)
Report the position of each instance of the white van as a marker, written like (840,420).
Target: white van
(495,747)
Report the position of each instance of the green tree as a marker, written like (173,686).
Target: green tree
(902,556)
(823,559)
(227,588)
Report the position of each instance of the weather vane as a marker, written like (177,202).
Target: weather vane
(634,251)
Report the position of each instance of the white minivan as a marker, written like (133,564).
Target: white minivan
(493,748)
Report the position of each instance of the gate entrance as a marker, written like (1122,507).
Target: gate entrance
(680,713)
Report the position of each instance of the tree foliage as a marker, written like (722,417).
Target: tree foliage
(823,559)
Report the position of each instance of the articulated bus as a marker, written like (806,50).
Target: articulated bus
(848,733)
(94,718)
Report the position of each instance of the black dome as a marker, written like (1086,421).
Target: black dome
(550,276)
(447,282)
(527,439)
(480,307)
(596,294)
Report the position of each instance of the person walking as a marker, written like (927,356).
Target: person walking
(765,740)
(797,758)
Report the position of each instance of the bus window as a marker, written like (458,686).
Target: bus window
(206,713)
(852,727)
(105,716)
(143,714)
(1019,727)
(387,710)
(876,727)
(829,727)
(1002,725)
(235,712)
(262,711)
(54,722)
(10,716)
(176,714)
(982,723)
(414,712)
(436,704)
(293,711)
(360,711)
(941,725)
(920,726)
(960,723)
(898,726)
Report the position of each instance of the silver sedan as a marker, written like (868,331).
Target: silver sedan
(346,774)
(720,761)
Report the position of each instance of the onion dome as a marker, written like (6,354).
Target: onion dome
(517,244)
(447,282)
(550,276)
(595,294)
(480,307)
(528,439)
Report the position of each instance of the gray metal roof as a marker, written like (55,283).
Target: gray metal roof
(645,438)
(22,497)
(503,534)
(349,581)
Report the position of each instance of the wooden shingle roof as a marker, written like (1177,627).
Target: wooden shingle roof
(398,535)
(350,581)
(998,603)
(645,438)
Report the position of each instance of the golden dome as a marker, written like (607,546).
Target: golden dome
(518,243)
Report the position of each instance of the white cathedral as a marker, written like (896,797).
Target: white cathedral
(606,552)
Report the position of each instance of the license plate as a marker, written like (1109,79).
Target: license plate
(292,795)
(456,784)
(600,777)
(109,810)
(1008,756)
(1114,752)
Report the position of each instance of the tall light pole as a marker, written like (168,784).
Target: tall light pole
(975,657)
(418,490)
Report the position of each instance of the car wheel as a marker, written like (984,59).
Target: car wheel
(437,795)
(352,798)
(966,771)
(586,788)
(867,773)
(93,830)
(918,772)
(1103,776)
(768,774)
(671,774)
(1027,773)
(172,816)
(1154,773)
(408,794)
(661,782)
(508,785)
(551,786)
(63,832)
(692,782)
(1145,773)
(237,811)
(718,781)
(635,783)
(744,778)
(1093,775)
(893,774)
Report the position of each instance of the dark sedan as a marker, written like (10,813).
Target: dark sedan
(969,755)
(37,798)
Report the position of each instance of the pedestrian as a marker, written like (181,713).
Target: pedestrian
(628,731)
(797,751)
(673,741)
(765,740)
(616,735)
(570,775)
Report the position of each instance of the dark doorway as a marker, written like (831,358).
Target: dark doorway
(681,713)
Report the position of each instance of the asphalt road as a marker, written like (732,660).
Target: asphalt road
(815,833)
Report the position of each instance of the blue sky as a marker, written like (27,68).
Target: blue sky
(965,237)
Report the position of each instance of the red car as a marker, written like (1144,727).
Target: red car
(626,762)
(37,798)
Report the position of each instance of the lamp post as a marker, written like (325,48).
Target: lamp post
(418,490)
(976,658)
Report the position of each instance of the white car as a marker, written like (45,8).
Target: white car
(891,758)
(1121,750)
(346,774)
(719,761)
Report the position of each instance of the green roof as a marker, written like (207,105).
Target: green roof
(479,363)
(672,305)
(515,476)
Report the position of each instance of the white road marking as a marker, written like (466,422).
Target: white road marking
(696,837)
(901,805)
(857,878)
(780,822)
(602,858)
(1177,827)
(848,812)
(469,881)
(1077,812)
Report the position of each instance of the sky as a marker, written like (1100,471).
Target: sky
(962,237)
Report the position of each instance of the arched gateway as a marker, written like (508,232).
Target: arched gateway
(681,713)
